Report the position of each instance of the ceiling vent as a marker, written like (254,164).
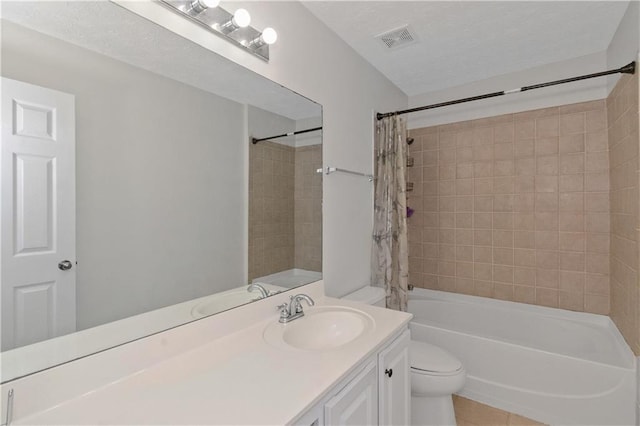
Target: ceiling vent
(397,38)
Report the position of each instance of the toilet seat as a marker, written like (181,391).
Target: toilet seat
(426,359)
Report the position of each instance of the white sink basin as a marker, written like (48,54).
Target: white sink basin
(321,328)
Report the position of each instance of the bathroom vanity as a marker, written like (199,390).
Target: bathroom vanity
(232,369)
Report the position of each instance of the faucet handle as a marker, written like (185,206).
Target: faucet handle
(284,310)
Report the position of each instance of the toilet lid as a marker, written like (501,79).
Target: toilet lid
(431,358)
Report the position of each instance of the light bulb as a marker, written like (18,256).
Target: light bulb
(241,18)
(269,35)
(209,3)
(199,6)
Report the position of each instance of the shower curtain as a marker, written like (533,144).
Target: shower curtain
(390,254)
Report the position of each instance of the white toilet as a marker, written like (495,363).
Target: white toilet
(435,373)
(435,376)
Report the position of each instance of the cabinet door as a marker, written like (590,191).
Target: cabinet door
(395,382)
(357,403)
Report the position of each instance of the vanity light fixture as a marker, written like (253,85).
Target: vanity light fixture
(232,27)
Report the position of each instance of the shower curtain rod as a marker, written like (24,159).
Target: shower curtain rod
(255,141)
(627,69)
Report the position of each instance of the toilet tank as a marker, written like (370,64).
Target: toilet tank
(370,295)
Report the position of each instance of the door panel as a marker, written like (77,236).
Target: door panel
(37,213)
(33,315)
(357,403)
(35,121)
(395,382)
(33,195)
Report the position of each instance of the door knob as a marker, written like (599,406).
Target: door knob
(389,372)
(65,265)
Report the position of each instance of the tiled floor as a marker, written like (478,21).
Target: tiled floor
(472,413)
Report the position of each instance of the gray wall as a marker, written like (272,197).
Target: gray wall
(160,179)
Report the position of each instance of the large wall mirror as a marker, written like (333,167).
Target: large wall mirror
(133,200)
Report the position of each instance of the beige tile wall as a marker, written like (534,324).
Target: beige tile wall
(622,113)
(271,208)
(514,207)
(308,208)
(285,208)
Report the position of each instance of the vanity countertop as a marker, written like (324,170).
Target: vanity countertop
(235,379)
(41,355)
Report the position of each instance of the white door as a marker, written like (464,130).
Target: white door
(37,214)
(357,403)
(395,382)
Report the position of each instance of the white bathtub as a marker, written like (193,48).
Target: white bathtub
(551,365)
(290,278)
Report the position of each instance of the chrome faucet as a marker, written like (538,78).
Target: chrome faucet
(256,286)
(293,310)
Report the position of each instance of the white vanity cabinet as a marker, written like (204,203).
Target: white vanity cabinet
(394,382)
(357,403)
(378,392)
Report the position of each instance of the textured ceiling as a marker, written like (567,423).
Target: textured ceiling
(108,29)
(461,42)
